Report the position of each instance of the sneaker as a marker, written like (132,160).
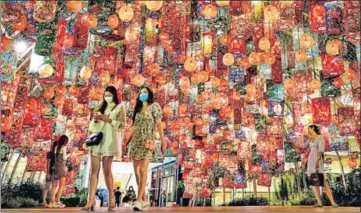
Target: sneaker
(137,206)
(145,204)
(53,205)
(60,204)
(45,204)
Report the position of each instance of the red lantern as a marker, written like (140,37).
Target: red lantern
(6,123)
(321,110)
(49,93)
(21,25)
(31,105)
(5,41)
(352,162)
(113,21)
(338,82)
(74,6)
(90,21)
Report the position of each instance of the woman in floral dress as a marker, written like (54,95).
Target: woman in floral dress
(147,117)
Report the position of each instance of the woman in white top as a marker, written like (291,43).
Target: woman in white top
(108,119)
(315,165)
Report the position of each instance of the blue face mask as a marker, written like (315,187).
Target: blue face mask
(143,97)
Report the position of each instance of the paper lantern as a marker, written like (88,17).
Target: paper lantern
(58,101)
(289,83)
(46,71)
(319,11)
(190,65)
(209,11)
(48,93)
(207,44)
(321,111)
(126,13)
(85,73)
(154,5)
(300,56)
(306,41)
(113,21)
(31,104)
(271,13)
(168,111)
(352,162)
(254,58)
(184,82)
(203,76)
(228,59)
(21,24)
(138,80)
(338,82)
(74,6)
(68,40)
(90,21)
(264,44)
(5,41)
(215,82)
(224,39)
(6,123)
(222,3)
(269,58)
(195,78)
(333,47)
(183,108)
(350,74)
(315,84)
(131,34)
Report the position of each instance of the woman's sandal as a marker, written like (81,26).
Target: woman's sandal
(318,205)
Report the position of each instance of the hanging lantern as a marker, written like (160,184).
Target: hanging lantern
(350,74)
(138,80)
(168,111)
(271,13)
(222,3)
(319,11)
(195,79)
(184,82)
(90,21)
(132,34)
(224,39)
(68,40)
(269,58)
(244,63)
(333,47)
(6,123)
(85,73)
(60,90)
(264,44)
(126,13)
(228,59)
(352,162)
(338,82)
(254,58)
(73,90)
(215,82)
(315,84)
(21,25)
(183,108)
(5,41)
(74,6)
(300,56)
(46,71)
(203,76)
(190,65)
(207,44)
(113,21)
(289,83)
(31,104)
(321,111)
(306,41)
(48,93)
(58,101)
(154,5)
(209,11)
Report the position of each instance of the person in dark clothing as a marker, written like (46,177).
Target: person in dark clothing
(101,197)
(117,195)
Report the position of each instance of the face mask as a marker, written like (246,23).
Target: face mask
(143,97)
(108,99)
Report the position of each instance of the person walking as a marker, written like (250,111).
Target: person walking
(57,171)
(315,166)
(147,117)
(109,118)
(118,196)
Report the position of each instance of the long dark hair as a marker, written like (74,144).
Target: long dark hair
(104,104)
(63,140)
(315,128)
(139,105)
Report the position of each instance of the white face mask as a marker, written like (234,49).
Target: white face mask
(109,99)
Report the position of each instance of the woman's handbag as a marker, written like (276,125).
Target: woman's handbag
(94,139)
(315,179)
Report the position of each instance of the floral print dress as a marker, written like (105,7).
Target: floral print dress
(144,130)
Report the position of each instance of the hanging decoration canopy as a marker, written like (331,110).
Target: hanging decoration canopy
(239,82)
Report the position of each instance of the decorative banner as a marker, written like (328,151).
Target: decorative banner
(346,120)
(321,111)
(337,142)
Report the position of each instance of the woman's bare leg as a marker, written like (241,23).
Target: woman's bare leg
(108,176)
(144,164)
(316,191)
(94,175)
(61,189)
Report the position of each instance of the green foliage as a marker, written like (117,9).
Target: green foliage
(19,202)
(24,190)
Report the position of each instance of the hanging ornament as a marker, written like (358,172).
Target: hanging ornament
(138,80)
(224,39)
(209,11)
(154,5)
(269,58)
(228,59)
(60,90)
(254,58)
(126,13)
(90,21)
(306,41)
(300,56)
(6,123)
(74,6)
(85,73)
(21,24)
(333,47)
(264,44)
(315,84)
(350,74)
(132,34)
(271,13)
(113,21)
(68,40)
(5,42)
(190,65)
(46,71)
(48,93)
(338,82)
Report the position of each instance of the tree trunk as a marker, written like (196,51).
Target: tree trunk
(342,170)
